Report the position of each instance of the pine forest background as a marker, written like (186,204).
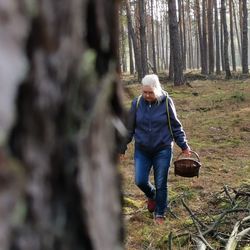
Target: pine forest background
(209,35)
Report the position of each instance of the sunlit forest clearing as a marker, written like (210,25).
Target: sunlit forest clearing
(215,115)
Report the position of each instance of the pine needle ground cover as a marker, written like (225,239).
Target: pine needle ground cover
(216,118)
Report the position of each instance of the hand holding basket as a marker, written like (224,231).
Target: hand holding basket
(187,166)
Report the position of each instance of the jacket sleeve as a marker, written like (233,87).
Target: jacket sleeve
(177,129)
(130,125)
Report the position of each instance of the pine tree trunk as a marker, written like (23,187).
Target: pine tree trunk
(134,40)
(232,36)
(237,32)
(224,22)
(210,36)
(217,39)
(175,44)
(63,134)
(153,38)
(244,38)
(143,43)
(198,18)
(204,35)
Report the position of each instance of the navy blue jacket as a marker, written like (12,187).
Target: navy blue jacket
(148,124)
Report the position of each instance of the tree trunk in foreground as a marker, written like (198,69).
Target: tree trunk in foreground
(64,134)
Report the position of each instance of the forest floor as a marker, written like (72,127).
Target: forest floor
(216,117)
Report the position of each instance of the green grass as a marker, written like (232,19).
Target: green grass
(216,118)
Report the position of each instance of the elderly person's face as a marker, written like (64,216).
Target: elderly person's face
(148,93)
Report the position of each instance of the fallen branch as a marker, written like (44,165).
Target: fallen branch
(235,237)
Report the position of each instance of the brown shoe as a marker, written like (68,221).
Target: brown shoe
(151,205)
(159,220)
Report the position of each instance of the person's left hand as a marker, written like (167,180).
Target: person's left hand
(187,152)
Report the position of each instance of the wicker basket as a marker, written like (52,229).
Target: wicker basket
(187,166)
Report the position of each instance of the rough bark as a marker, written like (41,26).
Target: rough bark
(217,39)
(210,37)
(232,35)
(134,40)
(225,48)
(175,44)
(244,38)
(143,43)
(198,18)
(63,133)
(204,36)
(153,37)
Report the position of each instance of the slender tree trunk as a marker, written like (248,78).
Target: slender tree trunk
(244,38)
(204,35)
(184,56)
(224,21)
(181,30)
(237,32)
(63,133)
(134,40)
(222,43)
(162,44)
(175,44)
(167,43)
(198,17)
(123,48)
(171,66)
(131,57)
(144,57)
(232,36)
(153,37)
(217,39)
(210,36)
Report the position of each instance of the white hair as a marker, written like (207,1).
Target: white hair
(153,81)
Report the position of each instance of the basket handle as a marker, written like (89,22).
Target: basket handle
(193,152)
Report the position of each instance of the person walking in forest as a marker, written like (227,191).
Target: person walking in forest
(153,123)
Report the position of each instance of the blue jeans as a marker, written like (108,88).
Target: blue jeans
(160,161)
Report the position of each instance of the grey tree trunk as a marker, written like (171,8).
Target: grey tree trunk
(217,39)
(153,37)
(232,35)
(222,44)
(204,35)
(210,36)
(244,38)
(224,22)
(63,133)
(180,29)
(175,43)
(143,42)
(237,31)
(198,18)
(134,40)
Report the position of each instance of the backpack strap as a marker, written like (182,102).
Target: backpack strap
(169,122)
(167,109)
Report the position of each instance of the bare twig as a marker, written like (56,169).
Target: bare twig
(196,221)
(170,238)
(192,215)
(225,187)
(215,225)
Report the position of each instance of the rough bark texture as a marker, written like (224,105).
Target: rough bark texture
(217,39)
(244,38)
(210,36)
(175,44)
(134,40)
(225,49)
(64,134)
(143,42)
(232,35)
